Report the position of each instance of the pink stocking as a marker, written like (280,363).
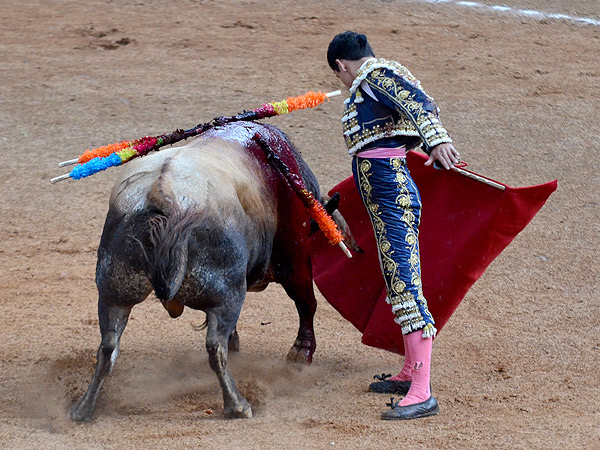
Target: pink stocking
(406,373)
(420,353)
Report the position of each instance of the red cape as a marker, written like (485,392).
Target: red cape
(465,224)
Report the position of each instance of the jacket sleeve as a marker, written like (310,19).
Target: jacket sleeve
(405,97)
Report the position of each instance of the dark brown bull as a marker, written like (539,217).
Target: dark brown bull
(201,225)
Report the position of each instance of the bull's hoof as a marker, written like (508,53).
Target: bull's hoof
(242,411)
(301,352)
(80,412)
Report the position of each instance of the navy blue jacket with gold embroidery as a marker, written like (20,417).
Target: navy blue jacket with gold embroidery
(402,115)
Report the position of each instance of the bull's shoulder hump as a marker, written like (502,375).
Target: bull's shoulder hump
(228,171)
(195,173)
(211,157)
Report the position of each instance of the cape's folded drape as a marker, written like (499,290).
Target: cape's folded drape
(465,224)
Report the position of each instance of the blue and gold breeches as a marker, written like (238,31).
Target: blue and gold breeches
(394,206)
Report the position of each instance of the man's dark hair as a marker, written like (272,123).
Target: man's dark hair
(348,45)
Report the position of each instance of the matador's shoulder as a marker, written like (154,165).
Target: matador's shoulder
(378,70)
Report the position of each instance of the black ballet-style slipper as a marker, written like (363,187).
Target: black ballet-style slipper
(384,386)
(427,408)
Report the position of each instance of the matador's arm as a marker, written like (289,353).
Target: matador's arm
(408,99)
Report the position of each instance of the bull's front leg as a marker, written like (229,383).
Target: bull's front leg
(221,324)
(300,289)
(113,319)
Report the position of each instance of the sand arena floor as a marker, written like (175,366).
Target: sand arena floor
(517,365)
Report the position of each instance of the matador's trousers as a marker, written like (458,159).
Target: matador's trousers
(394,206)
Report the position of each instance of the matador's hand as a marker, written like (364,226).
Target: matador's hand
(445,153)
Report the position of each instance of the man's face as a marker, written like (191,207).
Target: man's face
(344,77)
(344,74)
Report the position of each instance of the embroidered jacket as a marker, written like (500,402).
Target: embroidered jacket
(404,114)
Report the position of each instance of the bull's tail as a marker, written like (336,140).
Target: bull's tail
(166,244)
(166,257)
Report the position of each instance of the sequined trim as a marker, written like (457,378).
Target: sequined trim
(354,129)
(358,98)
(414,120)
(350,115)
(359,137)
(381,63)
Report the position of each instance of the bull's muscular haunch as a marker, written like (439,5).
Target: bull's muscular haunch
(201,225)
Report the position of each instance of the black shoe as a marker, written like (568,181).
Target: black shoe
(427,408)
(390,387)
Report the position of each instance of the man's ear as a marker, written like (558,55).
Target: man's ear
(342,65)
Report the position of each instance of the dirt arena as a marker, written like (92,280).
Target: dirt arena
(517,366)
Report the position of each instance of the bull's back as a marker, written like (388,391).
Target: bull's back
(215,176)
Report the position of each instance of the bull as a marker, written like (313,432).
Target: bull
(200,225)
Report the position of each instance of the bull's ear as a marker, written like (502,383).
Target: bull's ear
(333,203)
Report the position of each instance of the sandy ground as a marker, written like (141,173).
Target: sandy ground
(517,365)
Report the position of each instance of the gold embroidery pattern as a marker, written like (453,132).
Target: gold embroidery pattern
(394,66)
(357,137)
(429,126)
(413,121)
(404,304)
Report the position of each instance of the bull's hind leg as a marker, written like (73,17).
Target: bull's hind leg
(300,289)
(221,324)
(113,319)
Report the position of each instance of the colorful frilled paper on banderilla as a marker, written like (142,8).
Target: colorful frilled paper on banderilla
(465,224)
(101,158)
